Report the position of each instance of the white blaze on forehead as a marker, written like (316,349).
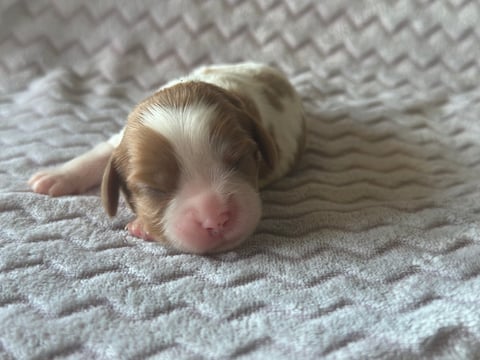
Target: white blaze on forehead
(191,121)
(188,130)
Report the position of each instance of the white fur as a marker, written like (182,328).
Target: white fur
(188,131)
(247,203)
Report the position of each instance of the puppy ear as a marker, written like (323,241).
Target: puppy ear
(265,143)
(111,187)
(264,140)
(250,120)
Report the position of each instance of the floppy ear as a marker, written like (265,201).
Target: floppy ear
(250,120)
(111,188)
(264,140)
(252,124)
(265,143)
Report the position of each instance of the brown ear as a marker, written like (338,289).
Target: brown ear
(111,188)
(253,125)
(251,122)
(265,143)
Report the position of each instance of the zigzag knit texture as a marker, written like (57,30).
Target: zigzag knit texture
(369,249)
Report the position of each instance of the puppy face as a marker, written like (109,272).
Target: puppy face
(189,165)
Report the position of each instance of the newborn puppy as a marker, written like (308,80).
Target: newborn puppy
(192,157)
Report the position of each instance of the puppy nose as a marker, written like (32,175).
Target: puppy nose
(215,224)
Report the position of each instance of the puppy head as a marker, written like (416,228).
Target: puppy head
(189,165)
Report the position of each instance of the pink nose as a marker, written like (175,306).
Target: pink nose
(215,225)
(206,222)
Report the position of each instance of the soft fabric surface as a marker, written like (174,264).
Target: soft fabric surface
(369,249)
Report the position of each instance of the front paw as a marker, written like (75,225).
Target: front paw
(54,182)
(137,228)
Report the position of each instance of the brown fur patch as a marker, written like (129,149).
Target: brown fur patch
(153,174)
(275,87)
(152,159)
(144,167)
(114,181)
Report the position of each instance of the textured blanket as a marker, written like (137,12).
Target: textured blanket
(370,249)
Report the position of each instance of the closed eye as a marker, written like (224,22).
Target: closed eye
(149,190)
(235,157)
(235,162)
(156,192)
(246,165)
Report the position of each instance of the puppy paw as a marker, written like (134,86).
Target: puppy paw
(54,182)
(137,229)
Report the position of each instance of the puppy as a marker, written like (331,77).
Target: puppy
(192,157)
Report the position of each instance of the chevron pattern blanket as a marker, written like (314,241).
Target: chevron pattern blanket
(369,250)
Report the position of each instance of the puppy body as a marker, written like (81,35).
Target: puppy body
(192,157)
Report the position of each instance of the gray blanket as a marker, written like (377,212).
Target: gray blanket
(370,249)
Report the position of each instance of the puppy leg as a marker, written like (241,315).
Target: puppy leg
(76,176)
(136,228)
